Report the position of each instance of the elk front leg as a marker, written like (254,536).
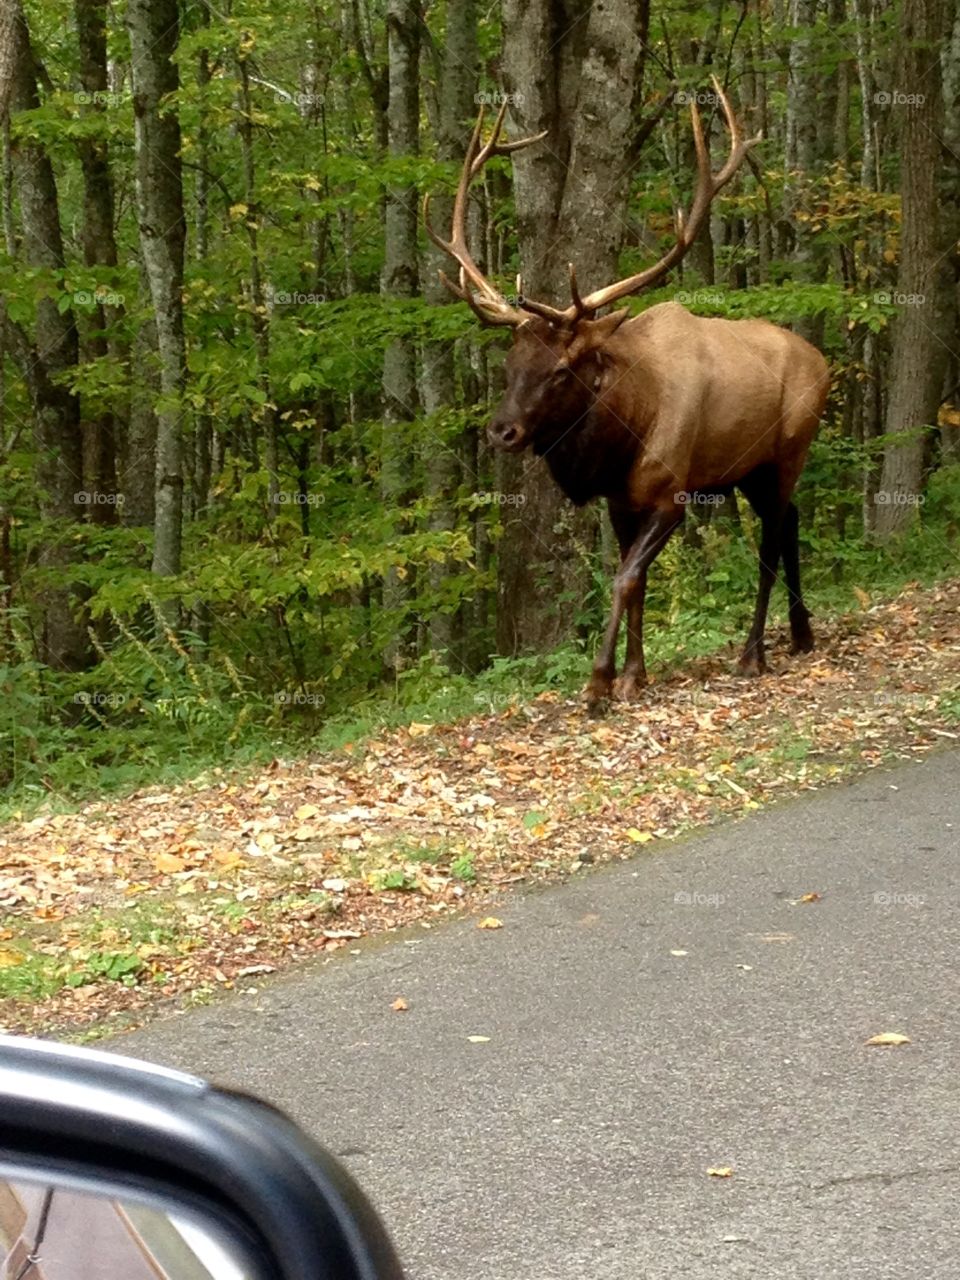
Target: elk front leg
(633,677)
(654,529)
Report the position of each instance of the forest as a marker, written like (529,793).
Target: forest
(247,502)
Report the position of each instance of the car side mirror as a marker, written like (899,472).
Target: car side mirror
(113,1169)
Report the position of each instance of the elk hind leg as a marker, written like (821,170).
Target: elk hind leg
(763,492)
(801,635)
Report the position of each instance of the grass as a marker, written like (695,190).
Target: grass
(699,599)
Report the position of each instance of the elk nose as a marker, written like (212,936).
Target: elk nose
(505,435)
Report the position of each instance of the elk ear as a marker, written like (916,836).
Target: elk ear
(590,335)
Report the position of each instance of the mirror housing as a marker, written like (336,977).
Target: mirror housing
(112,1126)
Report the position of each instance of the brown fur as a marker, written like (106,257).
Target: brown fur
(643,411)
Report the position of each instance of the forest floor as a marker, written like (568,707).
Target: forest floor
(163,898)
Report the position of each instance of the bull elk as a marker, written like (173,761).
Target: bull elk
(651,411)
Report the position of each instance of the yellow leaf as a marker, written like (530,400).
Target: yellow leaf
(400,1005)
(889,1037)
(721,1171)
(638,837)
(239,210)
(810,897)
(168,863)
(489,922)
(862,596)
(226,858)
(417,730)
(306,811)
(10,959)
(478,1039)
(305,832)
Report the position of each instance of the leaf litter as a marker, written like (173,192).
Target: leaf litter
(125,906)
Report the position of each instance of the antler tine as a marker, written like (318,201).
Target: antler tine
(708,186)
(487,303)
(574,289)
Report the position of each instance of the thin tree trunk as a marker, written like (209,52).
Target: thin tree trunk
(401,281)
(153,26)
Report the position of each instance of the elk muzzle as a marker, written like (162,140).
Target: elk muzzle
(508,435)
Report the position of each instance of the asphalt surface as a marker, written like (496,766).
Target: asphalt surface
(574,1141)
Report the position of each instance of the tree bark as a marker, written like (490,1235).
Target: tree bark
(919,347)
(99,245)
(401,281)
(153,26)
(443,453)
(52,352)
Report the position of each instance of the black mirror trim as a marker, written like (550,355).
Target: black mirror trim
(86,1112)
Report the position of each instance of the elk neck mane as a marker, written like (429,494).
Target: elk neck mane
(592,455)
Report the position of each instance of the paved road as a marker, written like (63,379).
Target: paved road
(574,1142)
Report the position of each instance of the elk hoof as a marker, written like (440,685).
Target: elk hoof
(597,694)
(803,642)
(628,687)
(752,664)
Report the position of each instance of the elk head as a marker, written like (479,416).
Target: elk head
(555,368)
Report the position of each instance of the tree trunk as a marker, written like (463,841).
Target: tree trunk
(919,339)
(154,29)
(582,80)
(99,247)
(444,453)
(54,350)
(400,280)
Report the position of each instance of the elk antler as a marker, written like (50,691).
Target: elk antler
(489,305)
(708,185)
(493,308)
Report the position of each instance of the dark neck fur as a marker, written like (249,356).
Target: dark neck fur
(591,459)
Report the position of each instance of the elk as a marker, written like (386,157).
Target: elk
(654,411)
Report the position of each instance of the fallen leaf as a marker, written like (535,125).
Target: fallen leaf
(478,1039)
(10,959)
(637,836)
(889,1037)
(334,885)
(489,922)
(810,897)
(305,811)
(417,730)
(168,863)
(400,1005)
(679,953)
(720,1171)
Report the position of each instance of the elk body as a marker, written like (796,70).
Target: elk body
(653,412)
